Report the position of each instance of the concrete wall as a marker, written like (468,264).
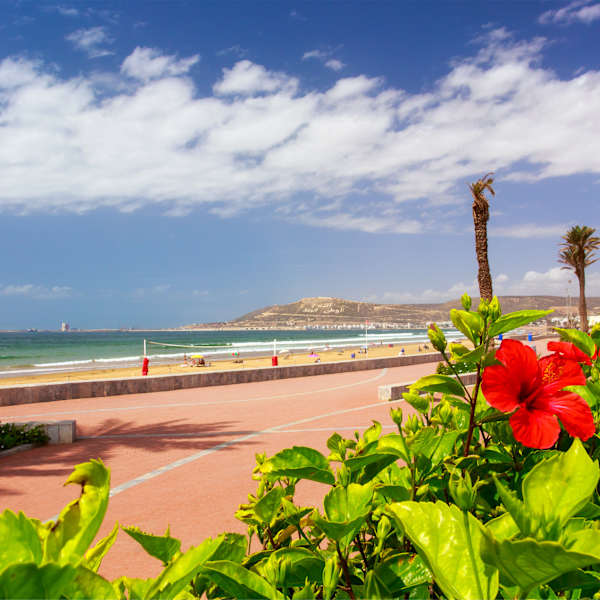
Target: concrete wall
(394,391)
(59,432)
(29,394)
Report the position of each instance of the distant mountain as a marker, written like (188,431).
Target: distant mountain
(323,311)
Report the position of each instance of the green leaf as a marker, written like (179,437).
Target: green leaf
(300,462)
(558,487)
(516,319)
(266,508)
(303,565)
(590,511)
(345,511)
(19,541)
(306,593)
(374,587)
(163,547)
(136,588)
(515,507)
(438,383)
(238,582)
(587,581)
(24,581)
(394,443)
(382,459)
(94,556)
(372,433)
(473,356)
(580,339)
(231,547)
(449,541)
(402,571)
(88,584)
(433,445)
(183,569)
(334,441)
(469,323)
(528,563)
(393,493)
(343,503)
(78,523)
(503,527)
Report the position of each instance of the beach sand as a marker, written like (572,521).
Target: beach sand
(285,359)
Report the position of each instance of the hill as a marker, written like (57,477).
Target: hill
(326,311)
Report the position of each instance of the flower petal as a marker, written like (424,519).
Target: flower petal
(574,413)
(500,389)
(569,350)
(535,428)
(519,358)
(506,385)
(557,372)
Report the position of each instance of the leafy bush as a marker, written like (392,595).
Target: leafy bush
(460,367)
(480,494)
(12,435)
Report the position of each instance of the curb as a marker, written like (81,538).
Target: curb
(16,449)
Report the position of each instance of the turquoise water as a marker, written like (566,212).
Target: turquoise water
(36,352)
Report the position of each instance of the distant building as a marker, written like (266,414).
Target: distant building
(64,326)
(593,319)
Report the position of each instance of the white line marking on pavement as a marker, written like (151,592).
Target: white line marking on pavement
(199,403)
(276,429)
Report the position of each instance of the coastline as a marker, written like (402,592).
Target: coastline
(229,364)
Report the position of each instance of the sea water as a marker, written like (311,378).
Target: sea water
(23,353)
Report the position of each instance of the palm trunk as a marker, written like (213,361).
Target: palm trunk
(583,319)
(484,277)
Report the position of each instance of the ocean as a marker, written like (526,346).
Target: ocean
(28,353)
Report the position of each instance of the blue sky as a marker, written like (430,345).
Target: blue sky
(163,163)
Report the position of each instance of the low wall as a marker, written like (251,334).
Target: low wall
(394,391)
(29,394)
(58,432)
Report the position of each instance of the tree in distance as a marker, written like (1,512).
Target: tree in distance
(577,253)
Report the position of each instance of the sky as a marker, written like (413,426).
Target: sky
(176,162)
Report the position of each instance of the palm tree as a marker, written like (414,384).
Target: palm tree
(481,215)
(576,252)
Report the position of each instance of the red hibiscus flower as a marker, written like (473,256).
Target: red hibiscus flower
(534,388)
(570,351)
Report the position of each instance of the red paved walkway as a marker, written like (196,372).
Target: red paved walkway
(212,432)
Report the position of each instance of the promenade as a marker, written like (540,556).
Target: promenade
(184,458)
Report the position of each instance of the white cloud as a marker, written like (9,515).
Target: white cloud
(148,63)
(553,282)
(324,56)
(37,292)
(65,11)
(583,11)
(529,230)
(236,50)
(260,139)
(335,64)
(248,78)
(319,54)
(91,41)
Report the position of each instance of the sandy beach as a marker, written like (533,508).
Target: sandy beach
(285,359)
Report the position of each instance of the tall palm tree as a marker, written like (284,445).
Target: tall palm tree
(576,252)
(481,215)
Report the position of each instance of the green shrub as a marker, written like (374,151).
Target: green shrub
(12,435)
